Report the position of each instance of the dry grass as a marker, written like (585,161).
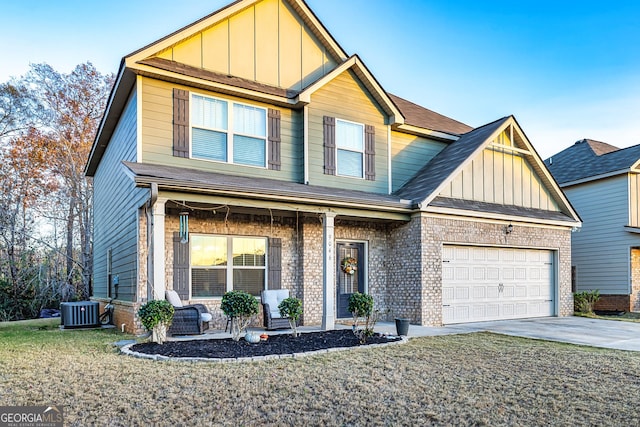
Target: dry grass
(477,379)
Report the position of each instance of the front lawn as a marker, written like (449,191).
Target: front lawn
(471,379)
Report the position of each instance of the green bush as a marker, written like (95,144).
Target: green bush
(155,313)
(584,301)
(241,307)
(291,308)
(361,307)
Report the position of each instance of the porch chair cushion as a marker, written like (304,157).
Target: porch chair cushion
(271,313)
(173,298)
(187,319)
(274,298)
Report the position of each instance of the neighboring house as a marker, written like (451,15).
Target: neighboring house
(285,158)
(603,184)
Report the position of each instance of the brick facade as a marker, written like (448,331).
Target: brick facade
(404,259)
(436,231)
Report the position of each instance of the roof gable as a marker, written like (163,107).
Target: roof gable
(587,160)
(274,42)
(425,183)
(448,166)
(356,65)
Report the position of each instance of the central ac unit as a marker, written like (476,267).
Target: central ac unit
(80,314)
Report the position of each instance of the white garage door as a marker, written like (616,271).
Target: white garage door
(483,283)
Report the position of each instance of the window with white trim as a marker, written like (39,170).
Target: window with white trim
(227,263)
(228,131)
(350,148)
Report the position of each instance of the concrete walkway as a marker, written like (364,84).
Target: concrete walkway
(574,330)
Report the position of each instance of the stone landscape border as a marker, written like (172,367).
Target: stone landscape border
(126,349)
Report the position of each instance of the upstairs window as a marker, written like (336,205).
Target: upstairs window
(228,131)
(350,149)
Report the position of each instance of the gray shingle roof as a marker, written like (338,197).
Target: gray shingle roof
(434,173)
(509,210)
(422,117)
(271,189)
(588,158)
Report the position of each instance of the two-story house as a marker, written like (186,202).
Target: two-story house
(249,151)
(603,184)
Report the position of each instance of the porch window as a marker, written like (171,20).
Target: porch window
(225,263)
(350,148)
(228,132)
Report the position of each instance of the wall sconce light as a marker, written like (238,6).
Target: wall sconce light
(508,229)
(184,227)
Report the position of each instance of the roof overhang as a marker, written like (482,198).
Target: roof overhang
(180,180)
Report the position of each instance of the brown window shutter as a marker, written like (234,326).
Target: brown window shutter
(180,123)
(181,266)
(275,264)
(329,131)
(370,152)
(274,139)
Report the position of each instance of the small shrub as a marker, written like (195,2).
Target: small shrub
(584,301)
(242,308)
(156,316)
(361,307)
(291,308)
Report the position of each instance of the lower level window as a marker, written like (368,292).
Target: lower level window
(225,263)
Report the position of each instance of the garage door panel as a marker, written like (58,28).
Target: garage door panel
(462,273)
(487,283)
(493,292)
(479,292)
(462,293)
(478,273)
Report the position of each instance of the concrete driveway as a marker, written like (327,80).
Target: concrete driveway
(575,330)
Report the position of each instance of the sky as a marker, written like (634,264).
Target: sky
(567,70)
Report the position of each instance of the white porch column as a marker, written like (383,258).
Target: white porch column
(329,271)
(158,250)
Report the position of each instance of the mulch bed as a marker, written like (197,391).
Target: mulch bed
(276,344)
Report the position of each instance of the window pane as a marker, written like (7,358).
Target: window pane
(249,120)
(208,251)
(349,136)
(248,151)
(208,144)
(251,281)
(208,282)
(209,113)
(349,163)
(249,252)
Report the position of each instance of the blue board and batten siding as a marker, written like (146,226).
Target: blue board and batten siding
(601,248)
(116,203)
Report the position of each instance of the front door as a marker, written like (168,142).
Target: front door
(350,274)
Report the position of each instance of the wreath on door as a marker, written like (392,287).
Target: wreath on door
(349,265)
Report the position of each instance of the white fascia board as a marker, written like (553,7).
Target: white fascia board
(429,133)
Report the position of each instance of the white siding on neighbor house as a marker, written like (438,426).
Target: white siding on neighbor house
(600,250)
(116,201)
